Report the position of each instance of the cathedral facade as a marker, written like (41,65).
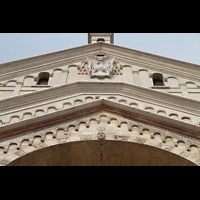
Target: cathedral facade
(99,105)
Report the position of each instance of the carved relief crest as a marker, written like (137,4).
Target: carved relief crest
(101,135)
(100,66)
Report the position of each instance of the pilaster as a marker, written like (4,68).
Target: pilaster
(183,87)
(136,79)
(64,75)
(18,86)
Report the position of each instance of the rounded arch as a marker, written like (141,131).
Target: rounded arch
(190,84)
(123,101)
(158,79)
(57,69)
(88,99)
(27,115)
(112,98)
(143,70)
(29,80)
(56,76)
(90,154)
(150,109)
(67,105)
(29,76)
(186,119)
(14,118)
(12,146)
(43,78)
(124,66)
(127,72)
(133,104)
(73,66)
(72,74)
(162,112)
(11,83)
(93,122)
(121,135)
(174,116)
(182,144)
(78,101)
(172,81)
(51,109)
(39,112)
(48,135)
(144,77)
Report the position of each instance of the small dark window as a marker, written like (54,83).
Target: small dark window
(101,40)
(157,82)
(43,81)
(158,79)
(43,78)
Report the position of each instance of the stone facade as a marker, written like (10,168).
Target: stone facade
(125,95)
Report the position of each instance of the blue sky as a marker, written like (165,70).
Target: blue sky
(180,46)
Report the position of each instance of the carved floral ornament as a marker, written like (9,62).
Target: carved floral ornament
(100,67)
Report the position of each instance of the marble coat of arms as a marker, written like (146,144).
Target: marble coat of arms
(100,66)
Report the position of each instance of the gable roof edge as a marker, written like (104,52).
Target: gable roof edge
(171,100)
(125,52)
(189,130)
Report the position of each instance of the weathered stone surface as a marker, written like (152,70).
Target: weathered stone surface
(102,105)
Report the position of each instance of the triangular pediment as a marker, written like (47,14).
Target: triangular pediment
(58,98)
(95,106)
(76,55)
(99,120)
(131,66)
(79,90)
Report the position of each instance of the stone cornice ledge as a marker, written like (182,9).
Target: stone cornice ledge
(133,56)
(175,126)
(101,87)
(48,58)
(151,58)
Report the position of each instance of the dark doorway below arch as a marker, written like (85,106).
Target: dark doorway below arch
(101,153)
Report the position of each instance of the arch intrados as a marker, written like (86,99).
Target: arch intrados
(78,100)
(76,66)
(61,154)
(29,76)
(10,81)
(89,97)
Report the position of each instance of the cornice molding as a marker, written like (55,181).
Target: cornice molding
(40,68)
(184,104)
(146,57)
(164,70)
(58,59)
(155,120)
(48,58)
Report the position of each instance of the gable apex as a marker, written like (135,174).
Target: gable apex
(96,106)
(101,37)
(80,51)
(16,70)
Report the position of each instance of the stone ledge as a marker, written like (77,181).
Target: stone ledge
(154,119)
(99,87)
